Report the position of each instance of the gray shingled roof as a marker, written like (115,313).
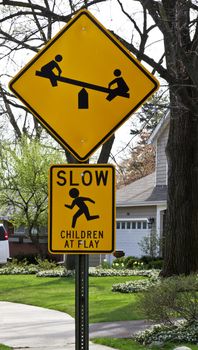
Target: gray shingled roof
(159,194)
(140,191)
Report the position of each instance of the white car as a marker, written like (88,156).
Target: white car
(4,245)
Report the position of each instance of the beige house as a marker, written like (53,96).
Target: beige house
(140,206)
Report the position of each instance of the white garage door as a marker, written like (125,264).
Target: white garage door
(129,233)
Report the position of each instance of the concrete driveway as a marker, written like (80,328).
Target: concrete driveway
(29,327)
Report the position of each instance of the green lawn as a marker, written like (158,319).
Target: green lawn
(4,347)
(128,344)
(58,293)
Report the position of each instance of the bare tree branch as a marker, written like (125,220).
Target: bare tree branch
(37,22)
(10,114)
(49,31)
(20,43)
(158,67)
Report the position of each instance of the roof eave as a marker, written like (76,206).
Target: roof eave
(159,128)
(141,204)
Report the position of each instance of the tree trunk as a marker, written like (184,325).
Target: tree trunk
(181,243)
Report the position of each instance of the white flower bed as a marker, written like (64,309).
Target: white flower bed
(14,269)
(58,272)
(19,270)
(98,272)
(183,332)
(134,286)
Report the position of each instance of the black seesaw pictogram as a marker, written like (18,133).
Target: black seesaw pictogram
(121,89)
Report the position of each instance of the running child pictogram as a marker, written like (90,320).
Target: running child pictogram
(80,203)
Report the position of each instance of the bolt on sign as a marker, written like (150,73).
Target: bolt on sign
(82,208)
(83,85)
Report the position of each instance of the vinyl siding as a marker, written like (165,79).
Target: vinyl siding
(161,161)
(135,212)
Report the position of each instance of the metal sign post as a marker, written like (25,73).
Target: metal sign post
(81,303)
(80,224)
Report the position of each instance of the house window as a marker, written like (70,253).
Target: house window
(144,226)
(133,225)
(128,225)
(123,225)
(139,225)
(118,225)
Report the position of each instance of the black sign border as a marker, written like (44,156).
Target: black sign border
(52,132)
(50,234)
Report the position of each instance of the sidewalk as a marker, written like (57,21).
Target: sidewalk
(25,326)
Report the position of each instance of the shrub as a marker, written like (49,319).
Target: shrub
(118,263)
(145,262)
(21,258)
(105,264)
(45,264)
(123,262)
(129,258)
(151,245)
(152,262)
(155,264)
(130,263)
(174,297)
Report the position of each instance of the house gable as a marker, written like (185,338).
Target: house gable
(143,199)
(159,138)
(161,160)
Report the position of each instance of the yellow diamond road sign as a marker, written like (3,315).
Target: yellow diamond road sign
(83,85)
(82,209)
